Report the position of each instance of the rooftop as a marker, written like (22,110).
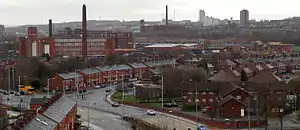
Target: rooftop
(90,71)
(69,75)
(40,122)
(60,109)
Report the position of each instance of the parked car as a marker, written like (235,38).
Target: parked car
(97,86)
(5,92)
(151,112)
(12,92)
(115,104)
(103,85)
(17,94)
(168,105)
(82,91)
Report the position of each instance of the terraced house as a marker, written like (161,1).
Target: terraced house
(85,78)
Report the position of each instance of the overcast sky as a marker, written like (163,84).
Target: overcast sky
(19,12)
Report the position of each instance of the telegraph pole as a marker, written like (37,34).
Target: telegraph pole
(122,101)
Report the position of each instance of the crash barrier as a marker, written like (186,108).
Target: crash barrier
(204,120)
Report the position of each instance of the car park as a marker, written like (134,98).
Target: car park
(151,112)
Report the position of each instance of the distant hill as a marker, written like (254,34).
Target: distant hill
(91,25)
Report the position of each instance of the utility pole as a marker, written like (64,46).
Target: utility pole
(19,84)
(162,97)
(122,101)
(249,120)
(9,83)
(196,102)
(89,116)
(76,85)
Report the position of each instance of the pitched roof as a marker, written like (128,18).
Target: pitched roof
(90,71)
(235,73)
(137,65)
(69,75)
(265,77)
(40,122)
(229,98)
(41,101)
(226,89)
(223,76)
(60,109)
(113,67)
(247,70)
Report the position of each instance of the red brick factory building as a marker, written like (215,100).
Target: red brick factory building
(70,42)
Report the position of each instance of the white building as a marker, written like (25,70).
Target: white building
(210,21)
(201,16)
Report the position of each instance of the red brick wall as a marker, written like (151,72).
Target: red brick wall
(231,109)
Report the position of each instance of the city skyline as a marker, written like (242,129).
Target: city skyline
(18,12)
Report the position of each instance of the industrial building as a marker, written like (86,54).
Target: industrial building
(75,42)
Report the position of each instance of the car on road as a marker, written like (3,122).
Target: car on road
(151,112)
(115,104)
(202,127)
(108,90)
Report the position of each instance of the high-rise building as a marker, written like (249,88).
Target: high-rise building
(244,17)
(201,16)
(2,32)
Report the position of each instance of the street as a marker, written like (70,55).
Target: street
(96,99)
(102,121)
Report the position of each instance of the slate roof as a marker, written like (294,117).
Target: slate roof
(90,71)
(265,77)
(160,63)
(229,98)
(41,101)
(70,75)
(113,67)
(137,65)
(223,76)
(40,122)
(58,110)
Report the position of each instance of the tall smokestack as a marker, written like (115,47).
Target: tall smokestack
(84,32)
(50,28)
(167,20)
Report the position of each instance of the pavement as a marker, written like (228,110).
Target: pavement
(102,121)
(15,100)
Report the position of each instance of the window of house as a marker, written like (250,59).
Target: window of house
(184,97)
(189,100)
(203,100)
(238,97)
(211,93)
(203,93)
(211,100)
(190,93)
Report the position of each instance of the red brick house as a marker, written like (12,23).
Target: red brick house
(91,76)
(61,115)
(138,69)
(113,73)
(66,81)
(231,107)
